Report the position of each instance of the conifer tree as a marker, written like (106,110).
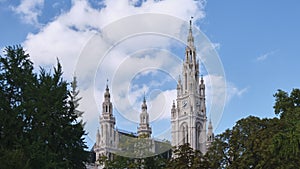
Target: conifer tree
(74,95)
(38,124)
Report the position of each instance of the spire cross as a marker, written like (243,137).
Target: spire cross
(191,21)
(107,84)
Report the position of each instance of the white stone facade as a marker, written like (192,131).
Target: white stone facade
(188,116)
(107,138)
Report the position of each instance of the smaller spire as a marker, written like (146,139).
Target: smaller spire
(202,81)
(98,138)
(210,123)
(173,106)
(179,83)
(107,94)
(144,105)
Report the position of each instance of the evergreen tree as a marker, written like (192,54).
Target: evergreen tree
(39,128)
(74,95)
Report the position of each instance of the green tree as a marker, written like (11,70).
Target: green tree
(74,96)
(185,157)
(261,143)
(39,128)
(16,83)
(286,142)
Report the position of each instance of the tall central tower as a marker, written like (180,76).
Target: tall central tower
(188,118)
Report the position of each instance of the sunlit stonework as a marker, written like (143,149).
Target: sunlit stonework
(188,114)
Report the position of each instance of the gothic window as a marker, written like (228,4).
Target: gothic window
(198,135)
(111,128)
(184,133)
(106,108)
(187,136)
(106,132)
(109,156)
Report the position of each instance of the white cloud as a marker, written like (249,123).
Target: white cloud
(161,105)
(219,92)
(75,38)
(265,56)
(29,10)
(216,46)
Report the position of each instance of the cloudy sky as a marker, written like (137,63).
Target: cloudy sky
(251,46)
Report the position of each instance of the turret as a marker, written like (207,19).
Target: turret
(107,105)
(210,134)
(144,128)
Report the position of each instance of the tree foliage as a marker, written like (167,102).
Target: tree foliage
(251,143)
(38,128)
(185,157)
(262,143)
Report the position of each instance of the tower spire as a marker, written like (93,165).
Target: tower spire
(190,102)
(190,36)
(144,105)
(107,94)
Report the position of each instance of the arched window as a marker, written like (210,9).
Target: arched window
(198,135)
(184,133)
(106,132)
(187,135)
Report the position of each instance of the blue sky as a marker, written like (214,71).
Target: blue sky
(259,49)
(257,42)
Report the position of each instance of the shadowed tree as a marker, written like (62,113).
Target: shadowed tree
(39,128)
